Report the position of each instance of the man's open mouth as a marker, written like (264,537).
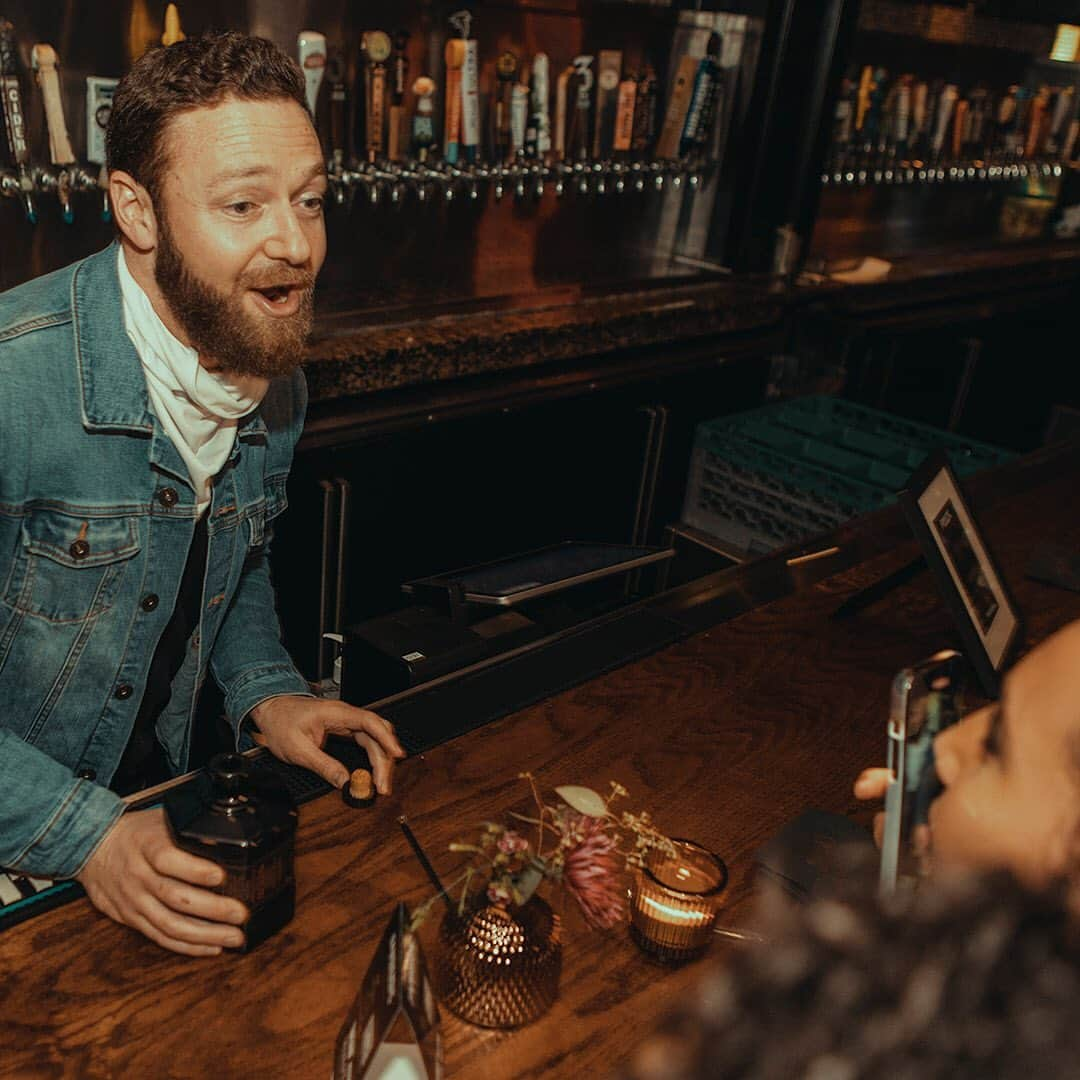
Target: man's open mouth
(283,300)
(276,294)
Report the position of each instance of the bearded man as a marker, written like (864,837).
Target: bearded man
(151,402)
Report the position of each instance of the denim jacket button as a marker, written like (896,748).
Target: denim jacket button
(79,549)
(167,496)
(123,692)
(149,602)
(86,774)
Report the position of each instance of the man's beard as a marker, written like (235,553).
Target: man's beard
(219,326)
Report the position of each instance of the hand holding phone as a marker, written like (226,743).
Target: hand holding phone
(924,701)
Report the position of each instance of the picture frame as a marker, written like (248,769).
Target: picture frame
(955,548)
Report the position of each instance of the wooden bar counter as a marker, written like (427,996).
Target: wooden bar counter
(725,737)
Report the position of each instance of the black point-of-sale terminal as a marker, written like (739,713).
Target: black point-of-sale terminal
(465,616)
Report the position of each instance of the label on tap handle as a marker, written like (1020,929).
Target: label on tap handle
(582,82)
(14,116)
(376,45)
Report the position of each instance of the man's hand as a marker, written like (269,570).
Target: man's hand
(294,729)
(139,877)
(871,784)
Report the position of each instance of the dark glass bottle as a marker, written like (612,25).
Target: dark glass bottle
(240,816)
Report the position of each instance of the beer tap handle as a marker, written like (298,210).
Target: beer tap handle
(15,117)
(667,148)
(339,105)
(919,97)
(311,51)
(1037,123)
(470,86)
(173,32)
(399,76)
(376,46)
(644,119)
(703,100)
(624,117)
(540,117)
(960,125)
(584,82)
(903,115)
(423,129)
(99,95)
(862,99)
(608,74)
(945,108)
(44,62)
(506,67)
(454,56)
(519,118)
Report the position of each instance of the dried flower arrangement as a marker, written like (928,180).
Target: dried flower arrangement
(580,842)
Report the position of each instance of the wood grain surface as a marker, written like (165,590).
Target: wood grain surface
(725,736)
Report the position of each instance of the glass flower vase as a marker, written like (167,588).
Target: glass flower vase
(499,967)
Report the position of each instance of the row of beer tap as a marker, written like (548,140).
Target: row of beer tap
(907,130)
(603,136)
(592,128)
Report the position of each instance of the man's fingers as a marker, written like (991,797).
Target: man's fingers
(186,929)
(920,840)
(879,828)
(872,783)
(311,757)
(185,948)
(356,720)
(182,898)
(382,768)
(172,862)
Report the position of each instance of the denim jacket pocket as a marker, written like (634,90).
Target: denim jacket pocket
(272,504)
(69,567)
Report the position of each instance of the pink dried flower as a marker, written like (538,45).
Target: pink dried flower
(511,842)
(591,873)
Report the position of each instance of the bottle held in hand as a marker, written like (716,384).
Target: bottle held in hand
(241,817)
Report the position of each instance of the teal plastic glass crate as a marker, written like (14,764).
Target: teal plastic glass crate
(773,476)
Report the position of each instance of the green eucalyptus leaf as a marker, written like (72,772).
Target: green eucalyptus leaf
(582,799)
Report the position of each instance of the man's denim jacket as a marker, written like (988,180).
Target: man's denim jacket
(97,514)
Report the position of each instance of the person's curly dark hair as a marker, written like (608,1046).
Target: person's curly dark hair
(971,978)
(197,73)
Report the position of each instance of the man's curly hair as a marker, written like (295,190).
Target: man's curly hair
(197,73)
(971,978)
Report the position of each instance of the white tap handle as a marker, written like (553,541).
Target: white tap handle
(541,76)
(43,58)
(519,114)
(311,48)
(470,97)
(945,108)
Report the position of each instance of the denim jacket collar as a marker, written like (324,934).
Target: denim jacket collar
(113,384)
(110,373)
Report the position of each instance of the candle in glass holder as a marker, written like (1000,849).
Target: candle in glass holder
(674,901)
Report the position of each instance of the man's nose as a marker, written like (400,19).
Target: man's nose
(288,240)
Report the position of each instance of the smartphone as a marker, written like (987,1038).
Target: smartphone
(925,700)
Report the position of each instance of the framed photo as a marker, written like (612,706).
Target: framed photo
(953,545)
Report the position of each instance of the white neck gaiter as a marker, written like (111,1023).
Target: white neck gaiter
(198,409)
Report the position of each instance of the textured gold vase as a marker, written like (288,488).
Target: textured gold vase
(499,968)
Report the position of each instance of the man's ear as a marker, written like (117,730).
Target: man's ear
(133,210)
